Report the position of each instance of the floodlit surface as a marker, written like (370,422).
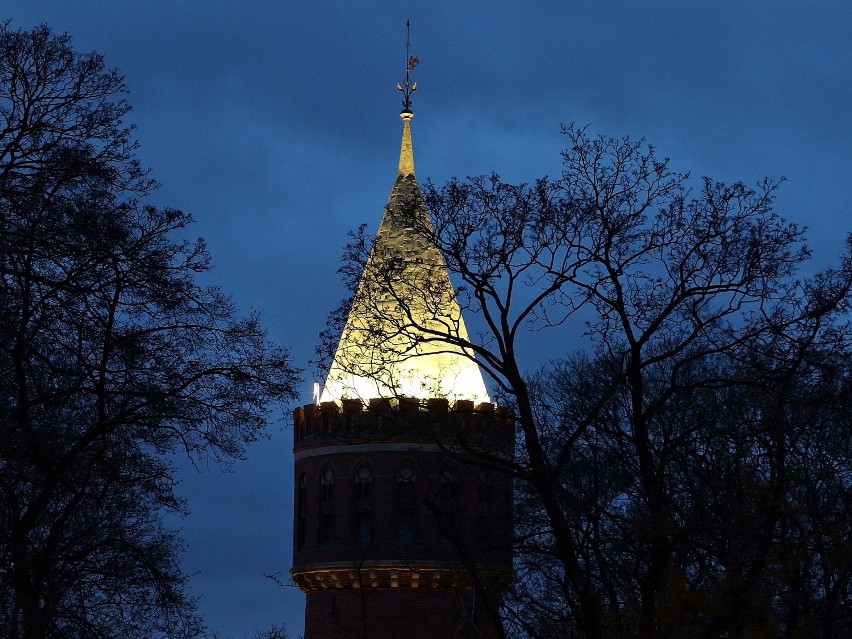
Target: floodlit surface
(398,338)
(423,376)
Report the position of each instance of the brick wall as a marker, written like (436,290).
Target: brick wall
(365,540)
(400,614)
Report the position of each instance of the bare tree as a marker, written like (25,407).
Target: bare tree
(274,631)
(670,288)
(113,358)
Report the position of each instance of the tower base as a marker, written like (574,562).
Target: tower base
(384,613)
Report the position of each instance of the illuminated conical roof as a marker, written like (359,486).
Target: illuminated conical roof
(394,343)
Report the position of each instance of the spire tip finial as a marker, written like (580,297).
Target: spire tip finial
(408,87)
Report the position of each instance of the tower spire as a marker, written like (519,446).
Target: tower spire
(388,347)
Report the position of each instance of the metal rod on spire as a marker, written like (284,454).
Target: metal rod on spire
(408,87)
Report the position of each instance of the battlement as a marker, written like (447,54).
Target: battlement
(383,418)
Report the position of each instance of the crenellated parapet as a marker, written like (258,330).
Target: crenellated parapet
(434,419)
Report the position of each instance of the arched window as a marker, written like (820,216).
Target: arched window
(363,521)
(324,530)
(326,507)
(449,488)
(483,508)
(406,494)
(406,483)
(405,527)
(303,490)
(363,483)
(327,486)
(301,506)
(364,527)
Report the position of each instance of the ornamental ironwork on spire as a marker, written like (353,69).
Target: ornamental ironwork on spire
(408,87)
(406,151)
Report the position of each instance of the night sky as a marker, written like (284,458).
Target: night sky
(275,124)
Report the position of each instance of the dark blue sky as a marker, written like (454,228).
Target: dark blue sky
(275,124)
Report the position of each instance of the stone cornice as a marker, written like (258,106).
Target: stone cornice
(388,575)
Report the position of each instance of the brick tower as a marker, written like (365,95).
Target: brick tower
(395,534)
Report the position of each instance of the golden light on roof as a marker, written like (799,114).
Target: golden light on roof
(404,332)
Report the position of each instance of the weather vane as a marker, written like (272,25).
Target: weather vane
(408,87)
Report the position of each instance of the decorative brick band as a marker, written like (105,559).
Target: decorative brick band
(403,447)
(390,575)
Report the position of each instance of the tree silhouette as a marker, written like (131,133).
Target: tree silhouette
(113,359)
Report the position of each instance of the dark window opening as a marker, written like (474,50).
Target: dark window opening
(301,519)
(303,490)
(405,527)
(300,530)
(406,490)
(327,486)
(406,485)
(325,531)
(448,489)
(364,528)
(363,483)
